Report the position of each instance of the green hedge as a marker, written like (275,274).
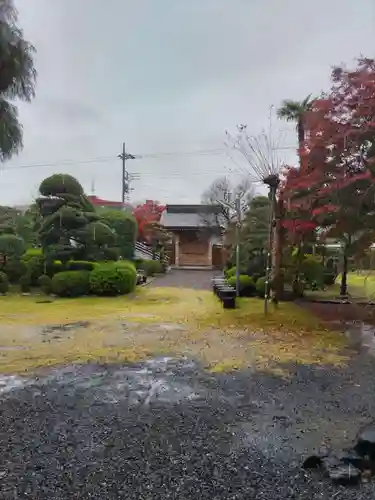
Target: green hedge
(247,285)
(329,278)
(152,267)
(31,253)
(14,269)
(228,273)
(54,267)
(138,263)
(113,279)
(80,265)
(45,283)
(35,263)
(4,283)
(25,283)
(71,283)
(122,264)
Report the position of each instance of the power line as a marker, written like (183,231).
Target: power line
(59,163)
(106,159)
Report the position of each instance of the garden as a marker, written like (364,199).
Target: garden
(63,246)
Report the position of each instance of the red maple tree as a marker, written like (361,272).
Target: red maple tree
(334,188)
(146,214)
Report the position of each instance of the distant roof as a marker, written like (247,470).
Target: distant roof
(107,203)
(191,216)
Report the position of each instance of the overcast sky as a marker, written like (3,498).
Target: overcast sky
(169,76)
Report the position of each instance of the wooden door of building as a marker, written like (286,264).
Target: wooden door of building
(217,256)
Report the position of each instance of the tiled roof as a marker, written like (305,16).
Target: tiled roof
(191,216)
(107,203)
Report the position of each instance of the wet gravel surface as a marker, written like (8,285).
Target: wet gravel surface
(167,429)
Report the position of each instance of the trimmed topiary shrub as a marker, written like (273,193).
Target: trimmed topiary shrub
(80,265)
(112,279)
(122,264)
(14,269)
(152,267)
(4,283)
(71,283)
(45,284)
(261,287)
(228,273)
(329,278)
(138,263)
(35,263)
(312,271)
(32,252)
(247,285)
(25,283)
(54,267)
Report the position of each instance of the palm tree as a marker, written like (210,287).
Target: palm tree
(295,111)
(17,78)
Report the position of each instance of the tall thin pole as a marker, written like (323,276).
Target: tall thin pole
(269,251)
(124,173)
(123,177)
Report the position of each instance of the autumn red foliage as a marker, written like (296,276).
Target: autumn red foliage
(146,214)
(336,177)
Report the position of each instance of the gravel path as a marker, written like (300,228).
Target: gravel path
(167,429)
(184,278)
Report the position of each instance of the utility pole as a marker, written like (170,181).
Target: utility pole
(125,181)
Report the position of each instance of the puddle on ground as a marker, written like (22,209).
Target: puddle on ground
(170,327)
(10,383)
(361,336)
(142,315)
(160,380)
(12,348)
(65,327)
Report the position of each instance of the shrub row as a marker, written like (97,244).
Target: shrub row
(248,286)
(107,279)
(33,265)
(149,267)
(313,275)
(75,279)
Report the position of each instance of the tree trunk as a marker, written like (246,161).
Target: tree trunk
(277,254)
(301,135)
(344,276)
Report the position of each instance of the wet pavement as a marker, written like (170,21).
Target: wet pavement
(166,428)
(186,278)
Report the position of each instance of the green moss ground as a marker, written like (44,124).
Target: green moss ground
(158,321)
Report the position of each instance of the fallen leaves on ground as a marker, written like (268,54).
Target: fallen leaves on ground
(160,321)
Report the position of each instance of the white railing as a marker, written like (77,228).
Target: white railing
(143,251)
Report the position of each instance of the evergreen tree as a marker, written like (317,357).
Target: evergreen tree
(70,227)
(17,78)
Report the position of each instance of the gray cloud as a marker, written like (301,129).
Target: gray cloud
(170,75)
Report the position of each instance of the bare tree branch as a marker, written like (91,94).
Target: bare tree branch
(259,152)
(223,192)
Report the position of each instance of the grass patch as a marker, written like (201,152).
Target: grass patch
(160,321)
(362,286)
